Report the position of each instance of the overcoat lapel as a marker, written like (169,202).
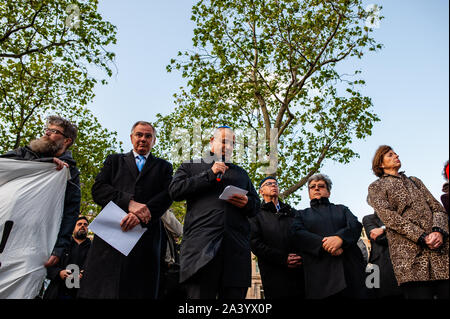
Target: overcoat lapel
(149,163)
(131,163)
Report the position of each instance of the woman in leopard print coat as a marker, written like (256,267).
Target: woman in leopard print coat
(417,228)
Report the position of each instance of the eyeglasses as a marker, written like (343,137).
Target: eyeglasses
(317,185)
(270,184)
(53,131)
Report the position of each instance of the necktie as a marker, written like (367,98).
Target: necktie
(140,161)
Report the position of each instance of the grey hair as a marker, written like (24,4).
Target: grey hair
(321,177)
(143,123)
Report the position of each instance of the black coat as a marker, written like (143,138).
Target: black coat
(379,255)
(327,275)
(270,242)
(74,254)
(212,223)
(108,273)
(72,197)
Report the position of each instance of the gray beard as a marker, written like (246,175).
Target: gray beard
(80,235)
(45,146)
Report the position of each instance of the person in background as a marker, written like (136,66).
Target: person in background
(75,254)
(279,262)
(416,227)
(326,235)
(379,255)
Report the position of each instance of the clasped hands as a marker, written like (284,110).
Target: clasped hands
(294,261)
(332,245)
(434,240)
(137,212)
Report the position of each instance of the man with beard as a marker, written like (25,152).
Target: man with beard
(75,254)
(59,136)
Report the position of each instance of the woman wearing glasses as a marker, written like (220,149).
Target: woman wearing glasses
(326,235)
(416,228)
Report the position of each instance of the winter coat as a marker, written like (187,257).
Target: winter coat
(409,212)
(212,223)
(327,275)
(271,244)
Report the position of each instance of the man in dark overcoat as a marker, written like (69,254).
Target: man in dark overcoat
(326,235)
(215,258)
(138,183)
(279,262)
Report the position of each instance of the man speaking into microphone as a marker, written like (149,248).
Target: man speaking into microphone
(215,260)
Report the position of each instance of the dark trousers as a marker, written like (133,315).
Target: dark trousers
(437,289)
(208,283)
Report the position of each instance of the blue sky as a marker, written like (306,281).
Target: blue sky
(408,81)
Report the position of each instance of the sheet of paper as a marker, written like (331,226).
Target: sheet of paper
(230,190)
(107,226)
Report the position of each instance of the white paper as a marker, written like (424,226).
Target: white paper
(107,226)
(230,190)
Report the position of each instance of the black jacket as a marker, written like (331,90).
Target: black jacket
(212,223)
(72,196)
(74,254)
(379,255)
(327,275)
(108,273)
(271,244)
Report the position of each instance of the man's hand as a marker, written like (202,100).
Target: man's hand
(140,210)
(219,167)
(59,164)
(374,233)
(332,244)
(337,252)
(238,200)
(294,261)
(434,240)
(129,222)
(63,274)
(53,260)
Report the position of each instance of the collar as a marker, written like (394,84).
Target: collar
(320,201)
(402,173)
(285,209)
(136,155)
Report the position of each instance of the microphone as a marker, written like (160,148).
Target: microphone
(219,175)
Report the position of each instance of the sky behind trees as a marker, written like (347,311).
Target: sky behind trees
(407,81)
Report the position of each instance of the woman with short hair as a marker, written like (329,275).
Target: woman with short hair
(416,226)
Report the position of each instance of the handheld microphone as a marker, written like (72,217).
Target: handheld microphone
(219,175)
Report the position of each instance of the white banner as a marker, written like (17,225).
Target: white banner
(32,202)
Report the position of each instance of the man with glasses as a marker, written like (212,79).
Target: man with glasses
(138,183)
(53,146)
(215,258)
(326,236)
(279,262)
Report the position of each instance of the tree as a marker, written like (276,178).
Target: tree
(48,51)
(271,67)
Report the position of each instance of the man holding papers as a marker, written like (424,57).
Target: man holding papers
(138,183)
(215,256)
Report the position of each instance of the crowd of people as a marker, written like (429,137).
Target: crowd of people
(311,253)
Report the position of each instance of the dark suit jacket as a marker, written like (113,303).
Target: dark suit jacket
(108,273)
(212,223)
(379,255)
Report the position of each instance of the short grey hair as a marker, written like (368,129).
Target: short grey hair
(143,123)
(321,177)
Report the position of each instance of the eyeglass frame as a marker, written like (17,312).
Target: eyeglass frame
(54,131)
(269,184)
